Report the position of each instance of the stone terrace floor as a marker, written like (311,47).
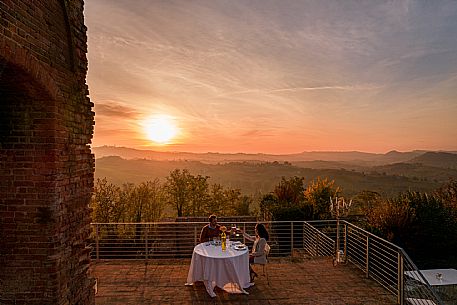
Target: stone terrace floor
(292,281)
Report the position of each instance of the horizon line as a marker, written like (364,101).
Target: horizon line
(278,154)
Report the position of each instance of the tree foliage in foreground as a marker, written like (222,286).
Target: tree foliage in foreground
(425,225)
(318,194)
(106,203)
(291,200)
(129,203)
(187,194)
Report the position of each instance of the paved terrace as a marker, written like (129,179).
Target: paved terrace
(292,281)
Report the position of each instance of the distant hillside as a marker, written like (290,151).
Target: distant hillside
(437,159)
(353,157)
(253,177)
(417,171)
(319,164)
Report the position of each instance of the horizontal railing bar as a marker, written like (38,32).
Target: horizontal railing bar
(383,273)
(380,258)
(389,254)
(371,235)
(197,222)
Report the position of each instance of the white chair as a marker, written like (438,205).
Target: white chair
(264,265)
(267,252)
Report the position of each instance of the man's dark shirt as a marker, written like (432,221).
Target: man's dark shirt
(208,233)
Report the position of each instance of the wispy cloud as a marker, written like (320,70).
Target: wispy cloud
(115,110)
(258,133)
(343,88)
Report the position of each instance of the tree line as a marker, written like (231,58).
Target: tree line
(187,194)
(424,224)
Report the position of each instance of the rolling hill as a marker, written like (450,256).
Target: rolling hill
(254,177)
(437,159)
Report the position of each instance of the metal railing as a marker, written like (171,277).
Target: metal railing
(379,259)
(177,239)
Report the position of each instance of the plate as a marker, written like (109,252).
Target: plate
(240,247)
(236,243)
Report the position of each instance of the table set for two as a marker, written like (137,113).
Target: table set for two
(227,269)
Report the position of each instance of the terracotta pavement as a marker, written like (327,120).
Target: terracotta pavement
(292,281)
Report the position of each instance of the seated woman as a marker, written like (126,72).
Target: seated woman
(258,254)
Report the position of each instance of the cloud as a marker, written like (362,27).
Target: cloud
(115,110)
(258,133)
(343,88)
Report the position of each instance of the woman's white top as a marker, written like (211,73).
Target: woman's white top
(258,249)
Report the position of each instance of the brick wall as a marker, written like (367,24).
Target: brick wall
(46,166)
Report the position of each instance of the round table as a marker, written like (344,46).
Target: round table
(228,269)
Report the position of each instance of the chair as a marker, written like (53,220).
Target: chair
(264,265)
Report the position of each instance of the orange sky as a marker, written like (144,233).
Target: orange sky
(274,76)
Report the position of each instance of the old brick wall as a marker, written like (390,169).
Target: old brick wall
(46,165)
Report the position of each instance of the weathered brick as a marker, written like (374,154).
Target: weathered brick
(46,175)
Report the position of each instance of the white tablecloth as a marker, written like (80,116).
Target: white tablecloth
(228,269)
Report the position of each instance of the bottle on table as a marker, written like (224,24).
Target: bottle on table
(223,241)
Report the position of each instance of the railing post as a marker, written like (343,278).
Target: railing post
(97,247)
(367,258)
(195,235)
(146,242)
(401,282)
(345,241)
(291,238)
(337,242)
(244,230)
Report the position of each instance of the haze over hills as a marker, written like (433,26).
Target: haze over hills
(214,157)
(387,174)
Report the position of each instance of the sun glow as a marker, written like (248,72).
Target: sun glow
(161,129)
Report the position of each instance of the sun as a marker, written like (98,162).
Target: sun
(160,129)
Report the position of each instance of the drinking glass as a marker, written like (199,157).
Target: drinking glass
(233,229)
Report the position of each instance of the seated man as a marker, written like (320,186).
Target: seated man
(210,230)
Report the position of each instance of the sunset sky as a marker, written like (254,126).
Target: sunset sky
(276,76)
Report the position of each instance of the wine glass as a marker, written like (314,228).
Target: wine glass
(237,231)
(233,228)
(439,276)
